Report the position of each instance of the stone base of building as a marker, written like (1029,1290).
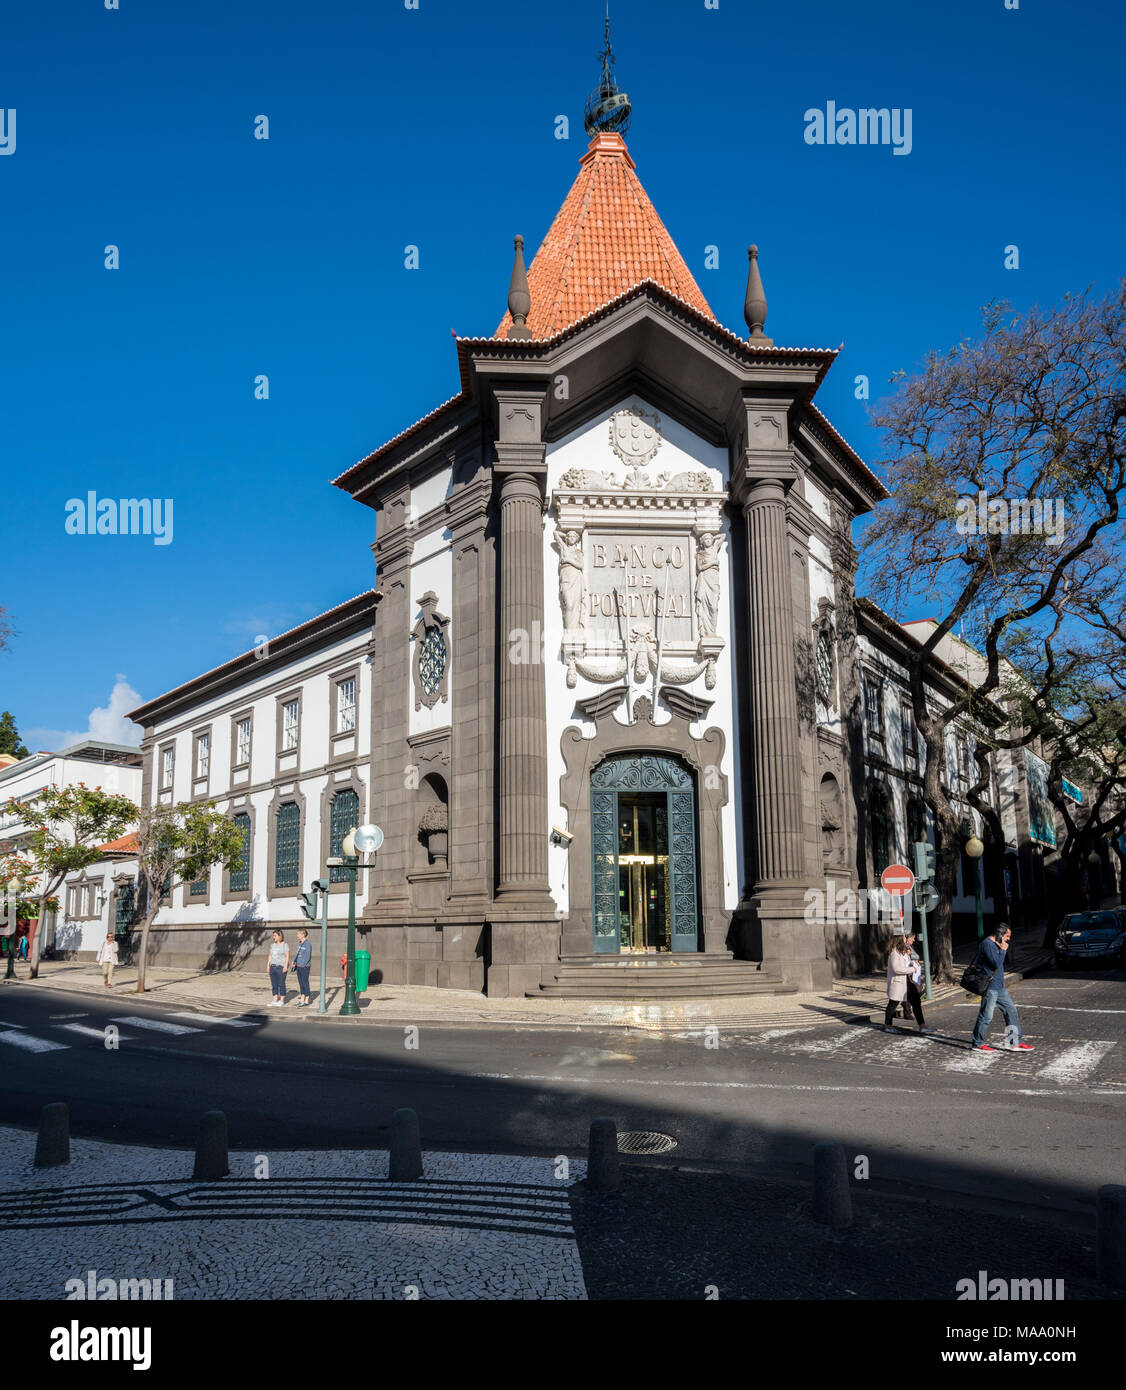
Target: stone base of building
(773,921)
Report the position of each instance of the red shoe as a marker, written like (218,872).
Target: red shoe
(1023,1047)
(985,1048)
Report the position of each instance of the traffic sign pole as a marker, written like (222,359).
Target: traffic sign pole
(322,1007)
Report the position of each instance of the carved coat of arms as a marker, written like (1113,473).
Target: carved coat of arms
(635,436)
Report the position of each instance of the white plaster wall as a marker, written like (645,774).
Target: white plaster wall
(818,500)
(259,695)
(681,450)
(432,568)
(426,495)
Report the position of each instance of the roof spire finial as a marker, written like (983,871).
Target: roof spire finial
(607,107)
(519,300)
(754,306)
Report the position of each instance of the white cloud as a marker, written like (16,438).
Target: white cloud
(106,722)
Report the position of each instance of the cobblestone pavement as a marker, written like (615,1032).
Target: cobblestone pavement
(320,1225)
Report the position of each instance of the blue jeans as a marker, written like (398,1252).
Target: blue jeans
(303,980)
(989,1001)
(277,979)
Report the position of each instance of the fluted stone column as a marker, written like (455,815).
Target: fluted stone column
(776,765)
(524,927)
(523,709)
(791,945)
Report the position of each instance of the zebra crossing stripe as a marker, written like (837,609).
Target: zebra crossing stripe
(217,1018)
(29,1043)
(822,1046)
(157,1025)
(1075,1063)
(84,1030)
(972,1061)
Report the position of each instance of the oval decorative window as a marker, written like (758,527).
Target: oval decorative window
(432,661)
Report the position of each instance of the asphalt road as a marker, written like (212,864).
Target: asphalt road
(1044,1127)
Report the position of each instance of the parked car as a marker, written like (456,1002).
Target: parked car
(1092,936)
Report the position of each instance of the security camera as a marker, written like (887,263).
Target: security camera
(561,836)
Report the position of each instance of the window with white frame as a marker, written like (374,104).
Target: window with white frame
(290,712)
(874,706)
(202,755)
(167,767)
(242,742)
(910,740)
(346,705)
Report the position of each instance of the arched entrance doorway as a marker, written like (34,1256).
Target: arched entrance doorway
(643,855)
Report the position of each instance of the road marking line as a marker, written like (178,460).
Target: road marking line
(1056,1008)
(1075,1063)
(29,1043)
(218,1018)
(20,1026)
(157,1025)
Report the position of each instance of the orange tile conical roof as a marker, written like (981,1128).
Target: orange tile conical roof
(606,238)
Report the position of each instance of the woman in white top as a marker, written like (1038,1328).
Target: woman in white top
(901,981)
(279,964)
(107,959)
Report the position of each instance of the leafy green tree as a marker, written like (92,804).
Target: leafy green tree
(17,880)
(179,844)
(10,741)
(72,823)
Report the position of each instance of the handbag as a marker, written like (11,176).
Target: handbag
(977,977)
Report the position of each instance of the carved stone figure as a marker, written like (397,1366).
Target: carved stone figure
(572,578)
(707,584)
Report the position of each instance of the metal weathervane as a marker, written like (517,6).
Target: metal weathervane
(607,107)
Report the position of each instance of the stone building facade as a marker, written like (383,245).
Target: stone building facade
(626,546)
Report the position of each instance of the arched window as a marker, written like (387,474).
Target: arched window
(287,846)
(344,813)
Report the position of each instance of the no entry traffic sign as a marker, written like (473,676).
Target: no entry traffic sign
(897,879)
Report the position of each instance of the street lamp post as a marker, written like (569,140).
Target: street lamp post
(975,848)
(365,839)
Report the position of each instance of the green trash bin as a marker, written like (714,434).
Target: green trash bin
(363,970)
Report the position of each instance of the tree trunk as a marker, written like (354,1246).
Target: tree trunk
(35,943)
(143,951)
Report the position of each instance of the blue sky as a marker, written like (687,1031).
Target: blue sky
(436,127)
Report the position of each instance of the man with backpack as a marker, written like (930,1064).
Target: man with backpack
(991,956)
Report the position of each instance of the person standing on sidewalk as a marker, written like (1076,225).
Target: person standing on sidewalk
(279,965)
(301,963)
(991,953)
(107,959)
(901,981)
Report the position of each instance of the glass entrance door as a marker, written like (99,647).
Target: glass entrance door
(643,872)
(644,894)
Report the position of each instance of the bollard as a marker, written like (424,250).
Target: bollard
(603,1168)
(406,1147)
(52,1148)
(211,1151)
(832,1200)
(1110,1236)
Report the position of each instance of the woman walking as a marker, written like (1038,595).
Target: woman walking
(301,963)
(901,981)
(107,959)
(279,964)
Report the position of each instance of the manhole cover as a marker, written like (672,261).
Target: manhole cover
(645,1141)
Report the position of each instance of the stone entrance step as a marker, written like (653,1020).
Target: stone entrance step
(658,977)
